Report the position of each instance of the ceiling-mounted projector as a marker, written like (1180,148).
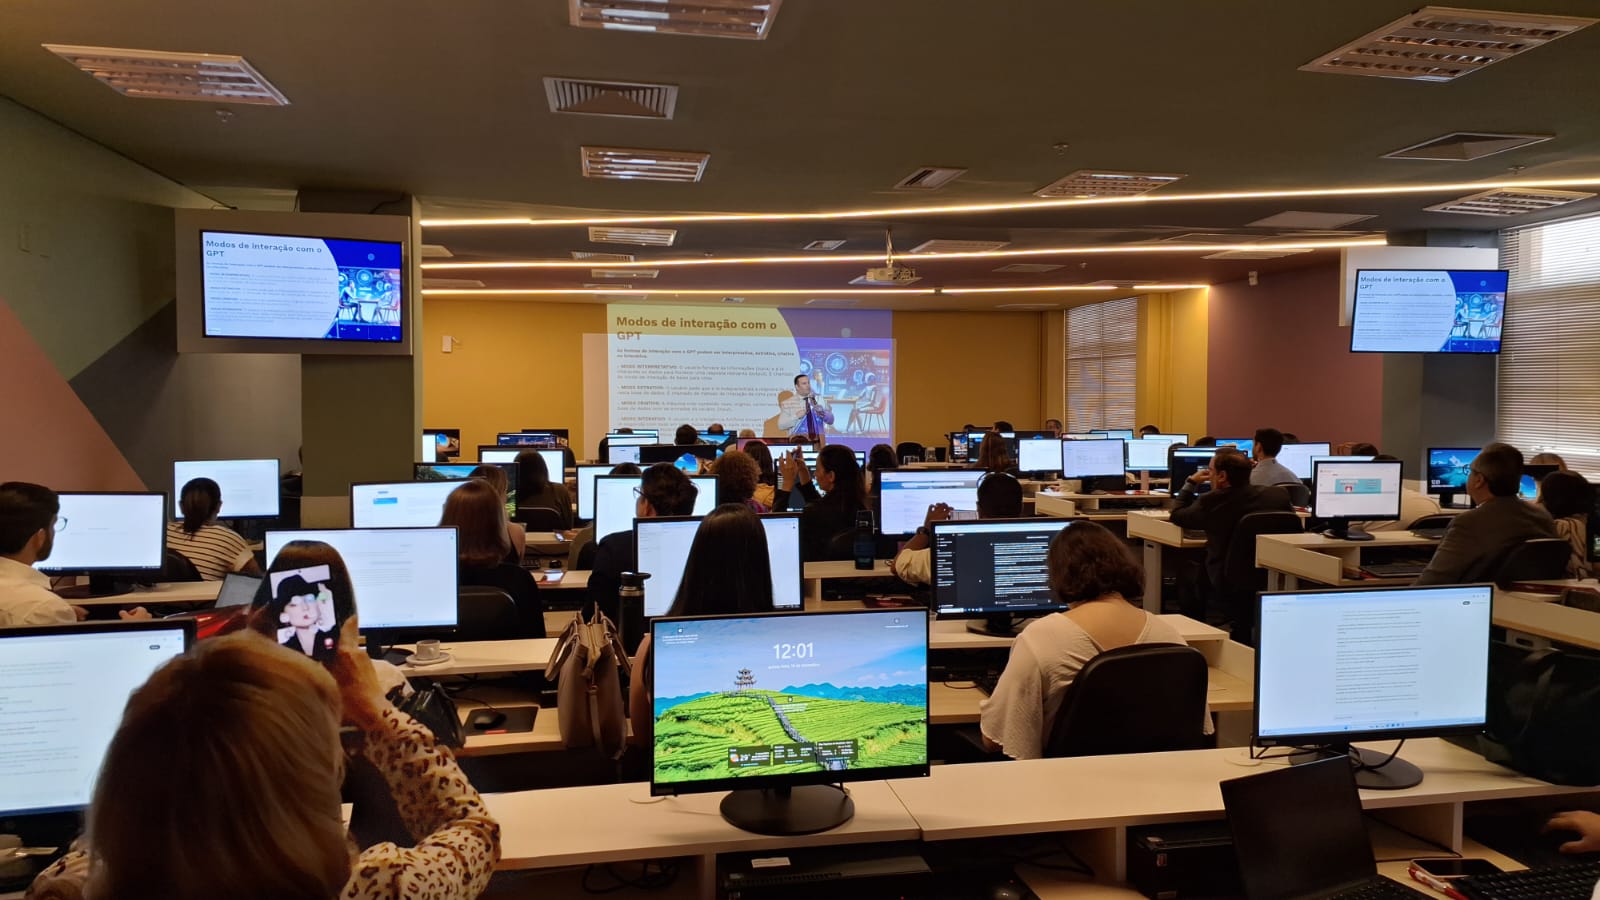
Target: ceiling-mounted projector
(891,275)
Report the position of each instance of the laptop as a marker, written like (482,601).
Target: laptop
(1298,833)
(237,590)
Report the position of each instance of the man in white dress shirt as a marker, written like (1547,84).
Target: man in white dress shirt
(28,517)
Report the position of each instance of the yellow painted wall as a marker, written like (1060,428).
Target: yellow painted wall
(1172,361)
(958,367)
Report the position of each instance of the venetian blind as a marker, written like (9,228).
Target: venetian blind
(1549,376)
(1102,343)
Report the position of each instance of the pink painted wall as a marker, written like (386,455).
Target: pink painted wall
(50,437)
(1278,358)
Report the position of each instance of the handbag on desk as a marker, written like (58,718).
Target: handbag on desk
(1544,713)
(587,669)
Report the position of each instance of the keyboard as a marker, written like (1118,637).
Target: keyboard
(1402,569)
(1560,883)
(1378,888)
(1429,533)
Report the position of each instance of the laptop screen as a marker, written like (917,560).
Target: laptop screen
(1298,831)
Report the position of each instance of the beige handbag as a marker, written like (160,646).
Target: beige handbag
(587,669)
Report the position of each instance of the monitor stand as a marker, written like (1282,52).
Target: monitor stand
(1005,625)
(1339,530)
(1371,771)
(98,586)
(806,809)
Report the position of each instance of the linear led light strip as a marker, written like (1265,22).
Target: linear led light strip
(813,259)
(1019,205)
(801,292)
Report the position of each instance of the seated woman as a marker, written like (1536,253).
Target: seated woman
(727,573)
(880,457)
(738,476)
(994,455)
(825,517)
(537,487)
(478,515)
(768,482)
(214,549)
(1094,573)
(1569,499)
(497,479)
(269,739)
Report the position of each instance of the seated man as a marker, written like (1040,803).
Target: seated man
(1478,540)
(1218,512)
(28,518)
(1268,443)
(999,497)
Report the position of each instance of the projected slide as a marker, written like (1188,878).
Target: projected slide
(1418,311)
(671,365)
(271,286)
(782,695)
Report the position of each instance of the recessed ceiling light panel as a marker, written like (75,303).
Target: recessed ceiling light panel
(747,19)
(592,256)
(1254,254)
(1439,43)
(944,246)
(624,164)
(1321,221)
(623,273)
(1087,183)
(929,178)
(625,99)
(1464,145)
(823,245)
(1506,202)
(644,237)
(160,75)
(1028,268)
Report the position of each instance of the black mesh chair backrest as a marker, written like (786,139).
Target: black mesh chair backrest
(177,567)
(484,614)
(1429,522)
(1239,569)
(538,518)
(908,448)
(1541,559)
(1299,494)
(1145,698)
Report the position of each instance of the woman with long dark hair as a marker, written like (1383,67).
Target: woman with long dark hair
(537,487)
(214,549)
(483,544)
(830,514)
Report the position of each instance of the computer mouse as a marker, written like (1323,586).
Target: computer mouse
(1005,892)
(485,719)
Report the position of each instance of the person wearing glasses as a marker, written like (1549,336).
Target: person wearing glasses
(1477,541)
(29,519)
(663,491)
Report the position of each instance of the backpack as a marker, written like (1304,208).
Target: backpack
(587,667)
(1544,713)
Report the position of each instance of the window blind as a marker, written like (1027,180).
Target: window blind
(1549,368)
(1102,343)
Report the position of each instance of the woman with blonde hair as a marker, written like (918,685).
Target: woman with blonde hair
(243,800)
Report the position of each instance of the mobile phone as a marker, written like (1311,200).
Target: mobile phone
(1451,867)
(864,543)
(554,576)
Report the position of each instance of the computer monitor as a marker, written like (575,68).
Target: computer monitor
(404,578)
(585,499)
(661,547)
(1532,475)
(65,687)
(104,535)
(617,454)
(1185,461)
(1093,459)
(1449,468)
(1243,445)
(960,448)
(690,458)
(993,570)
(634,439)
(459,471)
(1085,436)
(249,487)
(1297,457)
(399,504)
(1125,434)
(1039,454)
(1169,438)
(1147,456)
(555,460)
(562,436)
(494,453)
(1331,458)
(779,708)
(1335,667)
(810,452)
(440,444)
(527,439)
(1343,492)
(904,495)
(615,503)
(718,440)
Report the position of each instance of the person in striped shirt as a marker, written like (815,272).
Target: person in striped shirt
(214,549)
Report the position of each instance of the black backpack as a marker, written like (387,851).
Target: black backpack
(1544,713)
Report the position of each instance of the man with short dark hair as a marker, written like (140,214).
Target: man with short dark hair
(805,413)
(686,435)
(29,519)
(999,497)
(1218,512)
(1266,447)
(1053,426)
(1478,541)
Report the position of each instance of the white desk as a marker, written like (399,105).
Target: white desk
(1547,620)
(1065,505)
(158,595)
(488,658)
(547,543)
(1325,560)
(1154,529)
(814,573)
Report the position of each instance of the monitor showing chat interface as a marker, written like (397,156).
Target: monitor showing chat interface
(991,567)
(62,692)
(306,288)
(1357,490)
(249,486)
(906,494)
(1040,454)
(662,549)
(402,577)
(1373,662)
(108,533)
(762,700)
(1297,458)
(1428,310)
(400,504)
(615,502)
(1148,456)
(1092,459)
(1449,468)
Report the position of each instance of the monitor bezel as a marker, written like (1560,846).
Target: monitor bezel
(704,452)
(1399,493)
(582,491)
(177,510)
(1121,466)
(1040,437)
(1128,462)
(388,630)
(636,439)
(1053,606)
(453,432)
(835,776)
(355,484)
(1427,470)
(1355,313)
(919,475)
(1309,458)
(500,439)
(131,572)
(498,449)
(1350,737)
(188,625)
(799,558)
(1115,433)
(716,496)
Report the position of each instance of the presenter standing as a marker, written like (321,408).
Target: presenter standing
(805,413)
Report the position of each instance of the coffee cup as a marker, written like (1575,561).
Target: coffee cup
(427,650)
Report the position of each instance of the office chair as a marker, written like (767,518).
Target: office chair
(908,448)
(1427,523)
(1541,559)
(1299,494)
(484,614)
(177,567)
(1144,698)
(538,518)
(1241,580)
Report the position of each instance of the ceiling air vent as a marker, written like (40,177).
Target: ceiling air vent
(430,284)
(1086,183)
(607,287)
(436,251)
(830,301)
(623,273)
(1465,145)
(823,245)
(1029,268)
(1509,202)
(158,75)
(631,100)
(1438,43)
(644,237)
(732,299)
(747,19)
(643,165)
(592,256)
(929,178)
(1320,221)
(1254,254)
(943,246)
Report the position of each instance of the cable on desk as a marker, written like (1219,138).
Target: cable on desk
(1363,767)
(654,875)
